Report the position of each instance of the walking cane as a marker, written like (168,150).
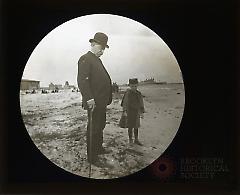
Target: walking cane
(90,141)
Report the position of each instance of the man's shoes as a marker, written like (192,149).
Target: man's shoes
(103,151)
(99,164)
(138,142)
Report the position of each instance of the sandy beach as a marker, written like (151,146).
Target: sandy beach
(57,123)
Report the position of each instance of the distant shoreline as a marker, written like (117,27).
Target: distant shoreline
(144,84)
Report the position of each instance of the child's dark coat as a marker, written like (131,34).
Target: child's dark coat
(132,102)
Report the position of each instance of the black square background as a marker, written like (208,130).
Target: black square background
(203,37)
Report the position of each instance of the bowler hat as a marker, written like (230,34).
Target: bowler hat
(101,39)
(133,81)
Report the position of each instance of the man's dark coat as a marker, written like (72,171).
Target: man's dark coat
(93,80)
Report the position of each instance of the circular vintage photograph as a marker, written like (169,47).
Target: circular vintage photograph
(102,96)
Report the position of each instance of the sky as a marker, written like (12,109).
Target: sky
(134,51)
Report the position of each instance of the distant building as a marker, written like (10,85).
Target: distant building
(148,81)
(27,84)
(59,86)
(67,86)
(52,86)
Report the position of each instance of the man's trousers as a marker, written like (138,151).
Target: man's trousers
(98,124)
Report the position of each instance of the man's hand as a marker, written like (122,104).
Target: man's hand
(91,103)
(124,113)
(141,115)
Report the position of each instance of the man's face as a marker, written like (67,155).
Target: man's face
(97,49)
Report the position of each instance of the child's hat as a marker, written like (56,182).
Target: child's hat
(133,81)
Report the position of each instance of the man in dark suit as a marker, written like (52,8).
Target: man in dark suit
(95,86)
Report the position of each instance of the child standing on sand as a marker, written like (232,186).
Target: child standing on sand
(133,108)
